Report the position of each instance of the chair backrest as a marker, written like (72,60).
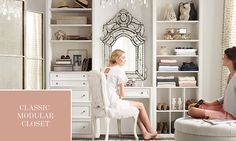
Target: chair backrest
(98,90)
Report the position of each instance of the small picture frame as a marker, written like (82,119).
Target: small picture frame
(77,56)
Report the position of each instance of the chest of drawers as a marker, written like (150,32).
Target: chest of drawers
(81,100)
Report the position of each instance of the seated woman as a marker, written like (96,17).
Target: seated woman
(224,107)
(116,79)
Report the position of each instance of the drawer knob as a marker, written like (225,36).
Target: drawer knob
(83,83)
(56,75)
(83,95)
(83,75)
(141,92)
(83,111)
(83,127)
(56,83)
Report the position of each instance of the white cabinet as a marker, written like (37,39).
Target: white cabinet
(81,100)
(69,33)
(165,50)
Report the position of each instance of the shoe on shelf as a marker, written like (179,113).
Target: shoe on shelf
(165,106)
(159,127)
(165,128)
(159,105)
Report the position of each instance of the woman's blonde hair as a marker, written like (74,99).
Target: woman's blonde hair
(116,54)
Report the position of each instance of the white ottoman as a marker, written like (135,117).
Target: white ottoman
(189,129)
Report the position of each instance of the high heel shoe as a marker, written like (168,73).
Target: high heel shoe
(159,105)
(159,127)
(165,128)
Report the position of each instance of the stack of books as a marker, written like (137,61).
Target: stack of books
(63,65)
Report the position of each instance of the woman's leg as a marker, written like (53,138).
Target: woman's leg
(143,117)
(196,112)
(146,134)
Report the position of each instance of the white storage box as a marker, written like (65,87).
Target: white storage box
(72,20)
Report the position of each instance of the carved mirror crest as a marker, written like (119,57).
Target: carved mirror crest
(126,33)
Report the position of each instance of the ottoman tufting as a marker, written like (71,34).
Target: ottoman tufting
(189,129)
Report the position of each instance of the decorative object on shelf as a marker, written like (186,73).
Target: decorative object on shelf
(130,83)
(78,56)
(187,11)
(11,8)
(60,35)
(82,3)
(62,4)
(180,103)
(177,34)
(193,12)
(129,3)
(184,10)
(77,62)
(65,57)
(125,26)
(173,102)
(87,64)
(163,50)
(169,14)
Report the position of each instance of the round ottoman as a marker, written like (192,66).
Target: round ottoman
(189,129)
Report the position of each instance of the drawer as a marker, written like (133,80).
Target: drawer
(69,83)
(136,93)
(81,111)
(81,127)
(69,76)
(80,96)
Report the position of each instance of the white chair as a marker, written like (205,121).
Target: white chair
(101,105)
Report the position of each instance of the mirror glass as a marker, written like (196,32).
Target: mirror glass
(126,45)
(126,33)
(34,51)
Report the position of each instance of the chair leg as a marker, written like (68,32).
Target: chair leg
(119,127)
(135,125)
(107,120)
(93,127)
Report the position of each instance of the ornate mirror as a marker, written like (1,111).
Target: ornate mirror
(126,33)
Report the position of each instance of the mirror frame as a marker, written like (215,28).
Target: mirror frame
(123,24)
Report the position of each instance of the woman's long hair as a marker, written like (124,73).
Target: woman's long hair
(231,54)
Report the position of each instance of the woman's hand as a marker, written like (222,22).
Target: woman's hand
(121,90)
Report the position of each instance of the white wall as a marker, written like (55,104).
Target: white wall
(211,37)
(36,5)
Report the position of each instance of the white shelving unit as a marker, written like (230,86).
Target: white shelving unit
(75,80)
(165,94)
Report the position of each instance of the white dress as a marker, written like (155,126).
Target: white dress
(116,76)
